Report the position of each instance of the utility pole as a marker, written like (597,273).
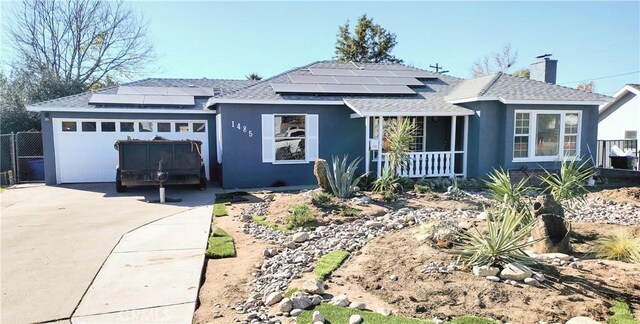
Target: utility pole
(438,68)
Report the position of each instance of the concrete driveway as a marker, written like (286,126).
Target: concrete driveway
(54,241)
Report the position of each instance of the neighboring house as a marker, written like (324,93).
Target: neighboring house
(260,133)
(620,118)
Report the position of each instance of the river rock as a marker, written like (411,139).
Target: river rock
(273,298)
(317,317)
(355,319)
(300,237)
(295,312)
(313,286)
(483,271)
(582,320)
(492,278)
(384,311)
(515,272)
(532,282)
(300,300)
(285,305)
(358,305)
(340,300)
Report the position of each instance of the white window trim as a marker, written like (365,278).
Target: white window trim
(306,158)
(532,135)
(135,122)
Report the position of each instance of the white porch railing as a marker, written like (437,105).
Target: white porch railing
(426,164)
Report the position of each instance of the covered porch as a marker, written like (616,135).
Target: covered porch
(440,143)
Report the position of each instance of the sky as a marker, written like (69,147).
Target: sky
(213,39)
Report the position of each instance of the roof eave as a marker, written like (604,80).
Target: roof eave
(214,101)
(120,110)
(528,101)
(621,93)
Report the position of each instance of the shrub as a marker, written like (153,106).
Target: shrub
(454,191)
(620,246)
(422,189)
(443,234)
(299,215)
(399,138)
(503,243)
(342,179)
(389,196)
(350,212)
(509,196)
(385,182)
(321,199)
(568,186)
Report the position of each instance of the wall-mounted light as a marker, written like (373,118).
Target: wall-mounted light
(46,116)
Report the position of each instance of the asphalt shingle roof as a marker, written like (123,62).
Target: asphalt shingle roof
(82,100)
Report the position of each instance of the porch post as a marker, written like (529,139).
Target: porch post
(464,146)
(452,161)
(380,121)
(367,158)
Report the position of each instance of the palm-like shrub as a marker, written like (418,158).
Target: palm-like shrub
(399,137)
(503,243)
(620,246)
(342,176)
(385,182)
(568,186)
(509,196)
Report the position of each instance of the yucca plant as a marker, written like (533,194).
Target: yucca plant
(503,243)
(385,182)
(568,185)
(399,138)
(620,246)
(509,196)
(342,178)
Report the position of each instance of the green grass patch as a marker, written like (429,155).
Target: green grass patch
(337,314)
(220,207)
(262,220)
(290,291)
(221,245)
(329,263)
(472,320)
(621,314)
(300,215)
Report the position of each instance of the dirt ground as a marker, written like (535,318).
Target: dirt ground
(225,281)
(567,292)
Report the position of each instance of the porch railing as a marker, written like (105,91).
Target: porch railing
(426,164)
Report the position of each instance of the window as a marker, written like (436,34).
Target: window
(145,127)
(126,126)
(198,127)
(521,139)
(88,126)
(164,127)
(69,126)
(630,135)
(417,143)
(108,126)
(182,127)
(289,137)
(546,135)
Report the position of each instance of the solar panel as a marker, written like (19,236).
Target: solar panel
(169,100)
(126,90)
(400,81)
(99,98)
(327,79)
(192,91)
(374,73)
(356,80)
(331,71)
(413,74)
(343,88)
(389,89)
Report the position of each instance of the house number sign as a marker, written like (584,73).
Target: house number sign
(241,128)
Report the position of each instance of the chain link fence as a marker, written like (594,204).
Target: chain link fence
(22,158)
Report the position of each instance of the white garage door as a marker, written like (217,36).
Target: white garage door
(84,147)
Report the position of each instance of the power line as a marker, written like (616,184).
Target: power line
(599,78)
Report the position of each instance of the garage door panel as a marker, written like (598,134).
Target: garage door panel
(90,156)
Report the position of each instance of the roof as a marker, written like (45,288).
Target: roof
(505,87)
(435,93)
(631,88)
(82,100)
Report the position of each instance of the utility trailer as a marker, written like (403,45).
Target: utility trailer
(159,161)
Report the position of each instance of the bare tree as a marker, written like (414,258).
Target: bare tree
(496,62)
(88,42)
(587,86)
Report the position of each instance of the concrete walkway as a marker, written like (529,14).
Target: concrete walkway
(152,275)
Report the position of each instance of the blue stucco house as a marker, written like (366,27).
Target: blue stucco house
(259,133)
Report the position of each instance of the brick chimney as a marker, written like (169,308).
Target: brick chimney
(544,69)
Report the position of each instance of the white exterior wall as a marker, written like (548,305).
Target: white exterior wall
(625,118)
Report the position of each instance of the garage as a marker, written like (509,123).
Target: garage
(84,147)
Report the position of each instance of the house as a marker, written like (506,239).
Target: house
(271,131)
(620,118)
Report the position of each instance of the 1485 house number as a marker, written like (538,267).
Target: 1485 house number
(242,128)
